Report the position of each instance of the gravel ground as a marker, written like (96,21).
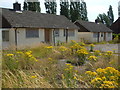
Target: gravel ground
(108,47)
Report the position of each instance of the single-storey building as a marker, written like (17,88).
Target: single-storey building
(26,28)
(93,32)
(116,26)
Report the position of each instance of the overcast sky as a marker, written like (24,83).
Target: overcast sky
(94,7)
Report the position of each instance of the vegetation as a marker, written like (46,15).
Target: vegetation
(69,65)
(50,6)
(32,6)
(106,19)
(64,8)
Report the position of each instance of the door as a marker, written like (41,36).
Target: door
(47,35)
(104,36)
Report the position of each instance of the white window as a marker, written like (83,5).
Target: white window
(32,33)
(56,33)
(71,32)
(5,35)
(109,34)
(95,35)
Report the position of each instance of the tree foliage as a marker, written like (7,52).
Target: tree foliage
(75,10)
(50,6)
(110,14)
(64,8)
(32,6)
(78,10)
(106,19)
(83,11)
(103,18)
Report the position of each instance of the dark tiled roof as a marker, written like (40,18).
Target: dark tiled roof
(85,26)
(36,20)
(116,26)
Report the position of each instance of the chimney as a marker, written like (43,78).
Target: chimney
(17,6)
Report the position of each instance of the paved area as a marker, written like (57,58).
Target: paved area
(108,47)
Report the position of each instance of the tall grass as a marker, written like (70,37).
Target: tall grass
(47,66)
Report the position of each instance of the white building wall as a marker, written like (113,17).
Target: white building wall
(62,38)
(86,37)
(23,42)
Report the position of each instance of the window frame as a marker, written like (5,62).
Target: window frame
(71,33)
(95,35)
(32,33)
(57,32)
(109,34)
(3,37)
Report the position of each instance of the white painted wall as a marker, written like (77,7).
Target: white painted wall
(23,42)
(88,37)
(62,38)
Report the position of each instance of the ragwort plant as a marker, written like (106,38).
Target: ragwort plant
(104,78)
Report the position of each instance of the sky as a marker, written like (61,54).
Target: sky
(94,7)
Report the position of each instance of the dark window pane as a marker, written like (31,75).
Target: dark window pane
(5,35)
(32,33)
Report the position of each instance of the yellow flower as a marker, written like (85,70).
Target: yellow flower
(49,47)
(33,76)
(109,53)
(96,80)
(75,78)
(10,55)
(91,73)
(62,48)
(82,51)
(103,78)
(92,45)
(92,58)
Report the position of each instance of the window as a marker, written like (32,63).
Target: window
(95,35)
(71,32)
(56,33)
(32,33)
(109,34)
(5,35)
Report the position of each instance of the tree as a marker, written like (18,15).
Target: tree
(50,6)
(64,8)
(83,11)
(103,18)
(75,10)
(110,14)
(32,6)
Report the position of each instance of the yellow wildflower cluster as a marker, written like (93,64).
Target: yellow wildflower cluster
(62,48)
(34,76)
(73,41)
(49,47)
(92,58)
(105,78)
(82,52)
(10,55)
(30,56)
(92,45)
(91,73)
(69,67)
(109,53)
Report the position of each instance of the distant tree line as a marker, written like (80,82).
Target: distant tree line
(72,9)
